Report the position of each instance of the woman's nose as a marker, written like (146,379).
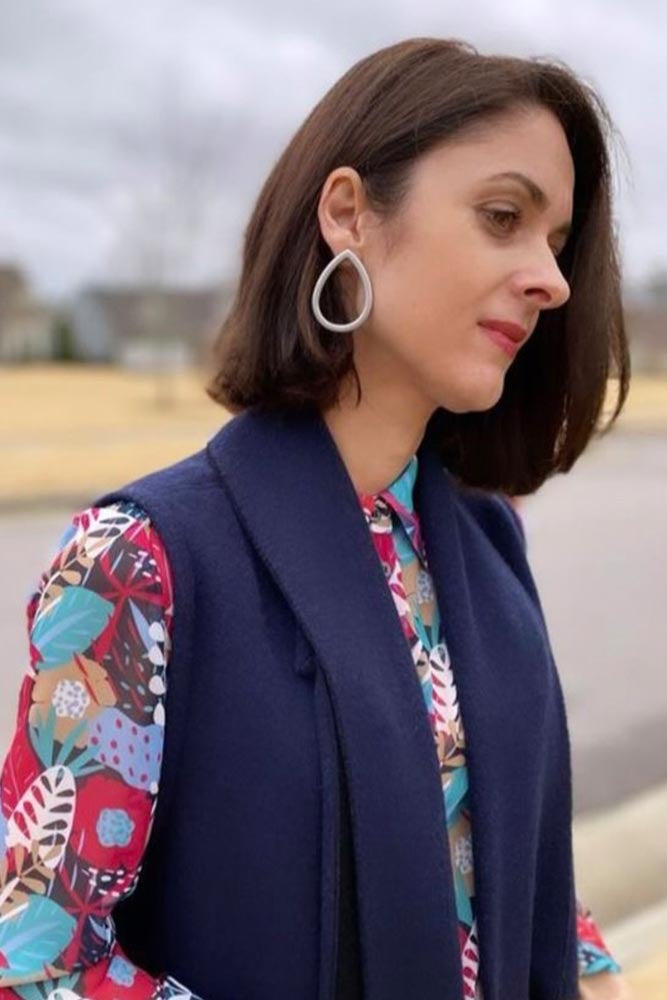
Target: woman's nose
(549,281)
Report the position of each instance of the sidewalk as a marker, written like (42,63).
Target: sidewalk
(650,982)
(642,940)
(621,873)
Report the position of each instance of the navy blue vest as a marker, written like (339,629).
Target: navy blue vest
(290,684)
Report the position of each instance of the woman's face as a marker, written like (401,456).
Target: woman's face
(464,248)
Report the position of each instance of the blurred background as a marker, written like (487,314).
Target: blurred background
(133,141)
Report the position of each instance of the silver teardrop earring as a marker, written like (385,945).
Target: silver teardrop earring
(368,293)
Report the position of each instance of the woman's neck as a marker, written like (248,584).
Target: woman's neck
(376,438)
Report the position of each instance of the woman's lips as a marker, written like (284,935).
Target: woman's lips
(508,345)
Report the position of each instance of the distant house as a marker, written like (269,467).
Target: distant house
(143,328)
(26,326)
(646,323)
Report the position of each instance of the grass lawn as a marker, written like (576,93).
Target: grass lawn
(73,431)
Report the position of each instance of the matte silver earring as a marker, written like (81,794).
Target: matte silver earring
(368,293)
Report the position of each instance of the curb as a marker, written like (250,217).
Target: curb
(41,503)
(640,938)
(620,857)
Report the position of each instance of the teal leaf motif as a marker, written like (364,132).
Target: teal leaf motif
(36,935)
(68,743)
(41,991)
(69,625)
(42,737)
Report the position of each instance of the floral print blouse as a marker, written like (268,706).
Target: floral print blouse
(79,784)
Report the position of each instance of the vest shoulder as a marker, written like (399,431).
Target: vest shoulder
(182,486)
(494,513)
(496,517)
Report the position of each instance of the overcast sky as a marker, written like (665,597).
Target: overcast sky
(107,107)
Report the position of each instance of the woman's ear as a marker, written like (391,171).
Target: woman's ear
(340,210)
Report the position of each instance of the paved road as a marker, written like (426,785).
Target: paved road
(598,547)
(597,540)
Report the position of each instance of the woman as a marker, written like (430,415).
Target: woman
(328,612)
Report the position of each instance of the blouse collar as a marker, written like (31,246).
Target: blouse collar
(399,494)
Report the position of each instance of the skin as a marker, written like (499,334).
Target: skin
(438,268)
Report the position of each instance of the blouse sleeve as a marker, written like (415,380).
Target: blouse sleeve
(593,954)
(79,784)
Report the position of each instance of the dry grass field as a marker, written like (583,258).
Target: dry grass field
(73,431)
(69,431)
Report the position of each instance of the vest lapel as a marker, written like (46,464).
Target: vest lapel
(507,696)
(293,494)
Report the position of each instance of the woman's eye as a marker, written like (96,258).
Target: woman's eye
(501,216)
(506,220)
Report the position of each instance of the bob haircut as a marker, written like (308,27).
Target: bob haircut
(381,115)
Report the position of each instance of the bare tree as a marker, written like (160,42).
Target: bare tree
(656,285)
(171,215)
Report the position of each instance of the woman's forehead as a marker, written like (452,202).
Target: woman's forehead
(533,154)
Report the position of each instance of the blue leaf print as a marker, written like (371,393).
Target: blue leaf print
(35,936)
(66,537)
(121,971)
(103,929)
(142,625)
(463,904)
(455,791)
(592,959)
(133,751)
(69,625)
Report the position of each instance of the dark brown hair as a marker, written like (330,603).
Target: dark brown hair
(386,111)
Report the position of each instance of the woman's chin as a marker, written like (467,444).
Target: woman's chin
(482,394)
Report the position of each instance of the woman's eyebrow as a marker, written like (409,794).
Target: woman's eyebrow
(537,195)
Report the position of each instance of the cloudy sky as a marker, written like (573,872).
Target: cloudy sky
(107,109)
